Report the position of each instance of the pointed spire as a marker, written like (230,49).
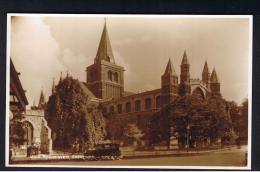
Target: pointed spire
(214,77)
(184,59)
(41,100)
(205,68)
(104,49)
(169,69)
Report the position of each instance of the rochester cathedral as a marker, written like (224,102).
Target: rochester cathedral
(105,83)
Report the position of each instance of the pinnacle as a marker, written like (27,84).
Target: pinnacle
(206,68)
(214,77)
(169,69)
(42,99)
(184,59)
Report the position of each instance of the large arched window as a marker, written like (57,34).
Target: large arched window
(137,105)
(92,76)
(148,104)
(128,107)
(109,75)
(28,130)
(116,77)
(112,109)
(158,101)
(119,108)
(198,93)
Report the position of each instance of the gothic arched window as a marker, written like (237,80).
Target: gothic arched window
(116,76)
(198,94)
(119,108)
(112,109)
(109,75)
(28,130)
(148,104)
(128,107)
(158,101)
(137,105)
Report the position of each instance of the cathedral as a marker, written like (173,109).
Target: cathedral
(105,85)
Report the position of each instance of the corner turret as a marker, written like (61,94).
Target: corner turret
(169,84)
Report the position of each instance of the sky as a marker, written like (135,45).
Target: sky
(44,46)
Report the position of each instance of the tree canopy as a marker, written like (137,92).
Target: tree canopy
(72,116)
(192,119)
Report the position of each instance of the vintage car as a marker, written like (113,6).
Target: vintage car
(103,151)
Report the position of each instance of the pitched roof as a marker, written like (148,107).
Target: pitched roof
(104,49)
(15,82)
(214,77)
(184,59)
(169,69)
(86,90)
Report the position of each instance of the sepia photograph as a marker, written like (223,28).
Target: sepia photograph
(129,91)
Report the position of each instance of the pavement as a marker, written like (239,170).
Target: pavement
(126,155)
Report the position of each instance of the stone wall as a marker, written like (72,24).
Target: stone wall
(41,131)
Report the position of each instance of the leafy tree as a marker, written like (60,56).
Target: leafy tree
(243,122)
(73,117)
(235,115)
(17,133)
(132,133)
(191,120)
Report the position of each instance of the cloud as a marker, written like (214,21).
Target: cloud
(75,63)
(34,52)
(42,48)
(130,41)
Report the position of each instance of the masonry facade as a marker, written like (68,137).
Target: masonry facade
(31,121)
(105,79)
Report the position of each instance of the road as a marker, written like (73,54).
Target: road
(231,157)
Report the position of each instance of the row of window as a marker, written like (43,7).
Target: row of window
(112,76)
(137,106)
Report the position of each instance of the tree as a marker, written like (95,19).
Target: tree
(132,133)
(192,120)
(73,117)
(17,133)
(243,122)
(235,115)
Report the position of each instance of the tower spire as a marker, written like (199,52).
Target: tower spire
(206,74)
(41,100)
(184,58)
(214,77)
(169,69)
(185,88)
(105,49)
(206,68)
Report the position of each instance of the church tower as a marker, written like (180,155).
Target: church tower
(206,75)
(184,88)
(169,84)
(214,83)
(42,102)
(105,79)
